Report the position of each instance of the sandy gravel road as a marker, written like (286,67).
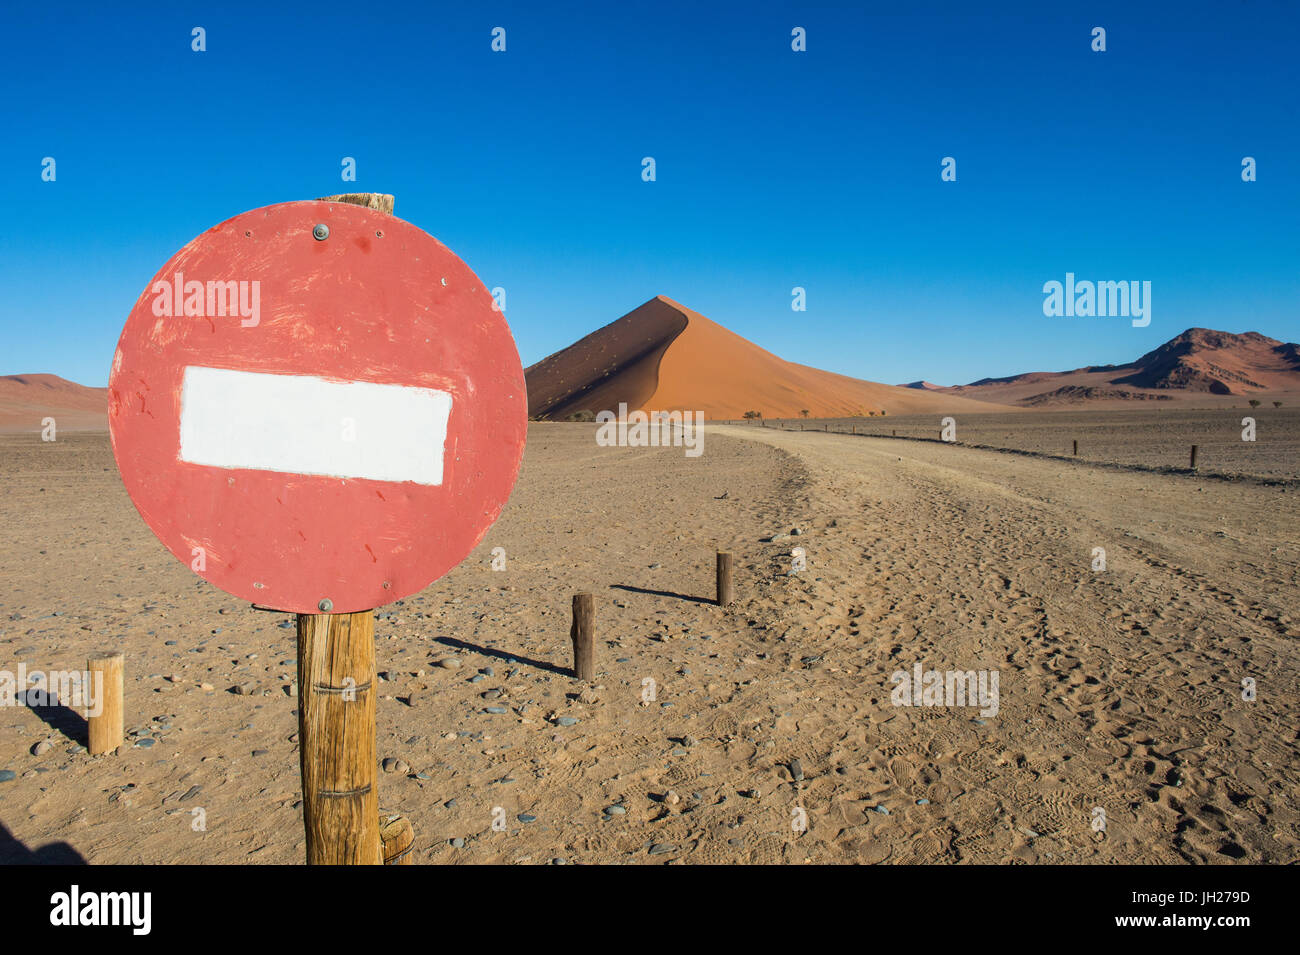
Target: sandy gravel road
(1121,691)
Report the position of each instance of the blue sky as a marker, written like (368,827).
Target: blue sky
(775,169)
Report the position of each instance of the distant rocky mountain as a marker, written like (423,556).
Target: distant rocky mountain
(1198,364)
(1221,363)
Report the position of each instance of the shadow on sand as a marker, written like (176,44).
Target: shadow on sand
(662,593)
(60,718)
(13,852)
(503,655)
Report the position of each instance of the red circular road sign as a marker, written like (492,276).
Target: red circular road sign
(317,402)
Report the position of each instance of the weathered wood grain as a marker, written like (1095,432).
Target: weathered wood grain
(336,737)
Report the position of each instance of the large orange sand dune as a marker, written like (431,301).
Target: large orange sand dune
(663,356)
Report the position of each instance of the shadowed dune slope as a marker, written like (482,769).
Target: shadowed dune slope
(663,356)
(619,362)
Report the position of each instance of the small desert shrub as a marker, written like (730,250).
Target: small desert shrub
(586,414)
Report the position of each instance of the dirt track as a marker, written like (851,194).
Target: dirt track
(1120,689)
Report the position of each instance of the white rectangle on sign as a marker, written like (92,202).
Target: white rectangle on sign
(300,424)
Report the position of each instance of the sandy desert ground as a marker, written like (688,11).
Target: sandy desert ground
(1119,690)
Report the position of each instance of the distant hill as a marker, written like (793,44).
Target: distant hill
(1221,363)
(25,400)
(662,356)
(1198,365)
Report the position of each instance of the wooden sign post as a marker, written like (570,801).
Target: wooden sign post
(106,730)
(336,737)
(726,592)
(583,634)
(319,408)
